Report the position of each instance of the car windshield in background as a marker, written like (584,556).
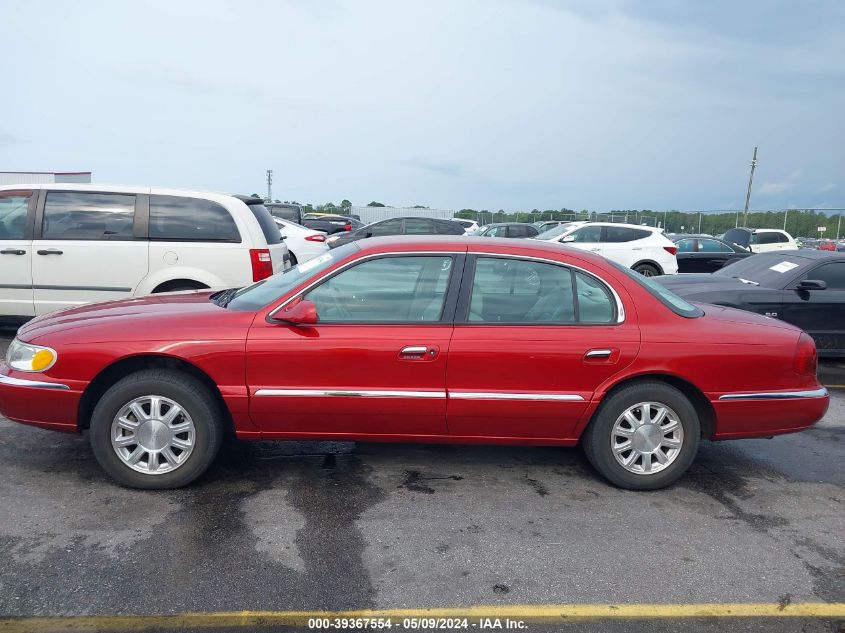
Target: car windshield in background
(263,293)
(765,269)
(676,304)
(553,232)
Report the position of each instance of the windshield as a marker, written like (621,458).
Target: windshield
(766,269)
(676,304)
(263,293)
(554,232)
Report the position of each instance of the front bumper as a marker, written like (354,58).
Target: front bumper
(38,402)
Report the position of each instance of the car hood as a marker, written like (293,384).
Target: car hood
(155,317)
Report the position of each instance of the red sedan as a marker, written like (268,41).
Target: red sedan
(415,340)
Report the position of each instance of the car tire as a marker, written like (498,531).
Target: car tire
(293,260)
(672,438)
(646,270)
(181,448)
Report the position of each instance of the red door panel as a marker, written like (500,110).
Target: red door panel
(531,381)
(348,379)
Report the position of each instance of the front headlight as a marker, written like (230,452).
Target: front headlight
(28,357)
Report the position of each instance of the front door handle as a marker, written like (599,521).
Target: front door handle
(52,251)
(13,251)
(418,352)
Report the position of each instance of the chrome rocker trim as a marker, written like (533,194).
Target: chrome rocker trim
(776,395)
(348,393)
(21,382)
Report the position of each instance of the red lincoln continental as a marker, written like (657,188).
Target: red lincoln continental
(415,340)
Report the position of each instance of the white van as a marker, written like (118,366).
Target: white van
(63,245)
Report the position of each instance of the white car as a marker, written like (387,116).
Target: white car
(760,240)
(470,226)
(303,244)
(642,248)
(63,245)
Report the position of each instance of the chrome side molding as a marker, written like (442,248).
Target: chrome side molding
(494,395)
(391,393)
(22,382)
(776,395)
(380,393)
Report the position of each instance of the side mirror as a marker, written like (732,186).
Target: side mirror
(811,284)
(303,312)
(568,238)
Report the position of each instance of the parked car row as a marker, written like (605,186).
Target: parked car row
(63,245)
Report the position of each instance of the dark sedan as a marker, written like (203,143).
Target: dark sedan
(805,288)
(330,224)
(705,254)
(398,226)
(508,229)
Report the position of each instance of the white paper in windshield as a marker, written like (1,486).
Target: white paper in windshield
(313,263)
(783,267)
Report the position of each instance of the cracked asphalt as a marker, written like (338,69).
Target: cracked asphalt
(290,526)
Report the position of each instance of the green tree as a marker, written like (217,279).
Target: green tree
(345,204)
(375,204)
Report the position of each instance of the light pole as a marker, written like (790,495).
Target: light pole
(750,180)
(838,225)
(699,222)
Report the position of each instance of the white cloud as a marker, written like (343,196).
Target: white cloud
(776,187)
(828,187)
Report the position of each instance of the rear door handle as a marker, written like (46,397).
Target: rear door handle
(605,355)
(52,251)
(418,352)
(13,251)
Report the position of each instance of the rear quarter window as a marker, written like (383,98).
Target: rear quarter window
(265,221)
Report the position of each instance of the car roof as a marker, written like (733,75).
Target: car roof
(469,243)
(697,236)
(506,224)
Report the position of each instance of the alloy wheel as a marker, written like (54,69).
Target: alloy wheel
(153,435)
(647,438)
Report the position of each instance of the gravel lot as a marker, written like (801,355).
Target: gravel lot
(281,526)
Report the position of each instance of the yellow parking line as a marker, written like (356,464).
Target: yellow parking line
(835,386)
(528,613)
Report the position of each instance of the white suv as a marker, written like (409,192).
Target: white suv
(760,240)
(65,245)
(642,248)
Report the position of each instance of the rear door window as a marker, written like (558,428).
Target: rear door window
(712,246)
(180,218)
(265,221)
(388,227)
(685,246)
(77,215)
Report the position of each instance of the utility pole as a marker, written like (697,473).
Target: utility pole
(269,185)
(785,215)
(838,225)
(750,180)
(699,222)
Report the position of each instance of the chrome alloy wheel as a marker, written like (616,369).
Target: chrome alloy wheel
(153,435)
(647,438)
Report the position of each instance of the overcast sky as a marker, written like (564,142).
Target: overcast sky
(484,104)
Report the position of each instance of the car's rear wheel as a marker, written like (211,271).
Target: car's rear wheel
(646,270)
(156,429)
(644,436)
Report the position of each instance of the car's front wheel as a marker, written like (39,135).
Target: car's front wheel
(156,429)
(644,436)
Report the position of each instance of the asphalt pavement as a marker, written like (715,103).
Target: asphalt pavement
(342,526)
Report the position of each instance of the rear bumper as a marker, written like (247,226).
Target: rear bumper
(761,414)
(42,403)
